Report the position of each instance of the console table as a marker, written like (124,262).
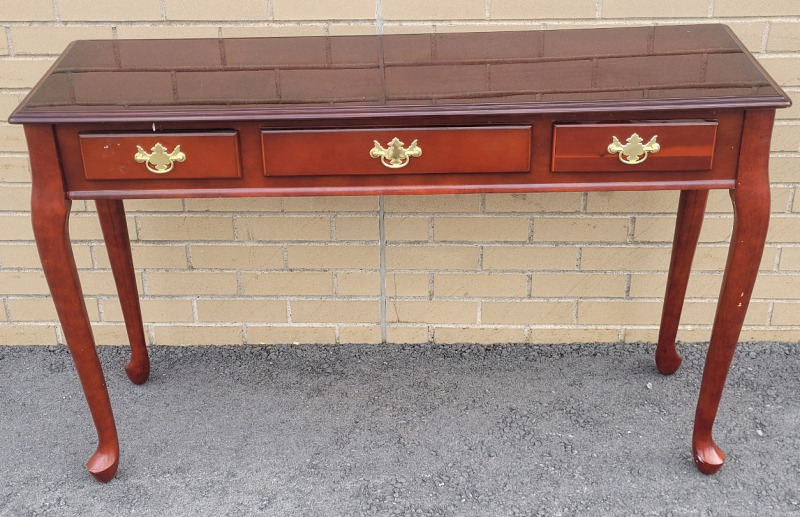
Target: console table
(670,107)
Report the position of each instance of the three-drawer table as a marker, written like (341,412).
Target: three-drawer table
(642,108)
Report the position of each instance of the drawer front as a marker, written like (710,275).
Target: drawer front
(147,156)
(416,151)
(630,147)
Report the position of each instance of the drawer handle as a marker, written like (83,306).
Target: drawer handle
(159,162)
(630,152)
(396,155)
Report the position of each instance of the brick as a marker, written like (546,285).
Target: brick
(331,204)
(280,335)
(110,334)
(422,10)
(773,287)
(526,313)
(786,313)
(110,10)
(479,335)
(460,203)
(15,197)
(752,335)
(269,228)
(574,285)
(101,283)
(549,9)
(263,31)
(86,226)
(785,138)
(713,258)
(563,229)
(619,313)
(480,285)
(153,310)
(148,256)
(407,284)
(356,228)
(352,10)
(751,33)
(674,9)
(534,202)
(358,284)
(662,229)
(790,259)
(190,283)
(529,258)
(30,10)
(43,39)
(424,311)
(486,26)
(352,29)
(783,229)
(4,47)
(17,334)
(12,138)
(405,334)
(627,202)
(654,286)
(335,311)
(625,258)
(236,256)
(23,282)
(8,103)
(198,335)
(181,227)
(333,257)
(503,229)
(265,311)
(762,8)
(783,168)
(362,334)
(702,313)
(18,255)
(785,70)
(720,202)
(783,37)
(239,204)
(561,336)
(43,309)
(166,31)
(14,169)
(287,283)
(16,73)
(152,205)
(407,228)
(209,10)
(432,257)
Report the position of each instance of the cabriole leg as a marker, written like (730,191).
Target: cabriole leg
(115,232)
(691,209)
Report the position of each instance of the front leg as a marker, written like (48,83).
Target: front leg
(750,220)
(50,216)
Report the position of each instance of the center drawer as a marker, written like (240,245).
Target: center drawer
(401,151)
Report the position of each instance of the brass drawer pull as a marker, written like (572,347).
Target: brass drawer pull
(159,162)
(396,156)
(630,152)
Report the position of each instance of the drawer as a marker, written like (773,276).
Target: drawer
(660,146)
(415,151)
(147,156)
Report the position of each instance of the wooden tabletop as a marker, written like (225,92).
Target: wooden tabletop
(631,68)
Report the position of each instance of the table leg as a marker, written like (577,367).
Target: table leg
(50,216)
(691,209)
(751,217)
(115,232)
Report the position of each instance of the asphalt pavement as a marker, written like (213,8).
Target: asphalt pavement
(435,430)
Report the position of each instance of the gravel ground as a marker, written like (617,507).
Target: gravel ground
(401,430)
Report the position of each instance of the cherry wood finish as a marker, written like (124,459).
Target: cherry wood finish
(452,150)
(685,146)
(493,112)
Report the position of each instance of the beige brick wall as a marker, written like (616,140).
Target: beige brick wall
(539,268)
